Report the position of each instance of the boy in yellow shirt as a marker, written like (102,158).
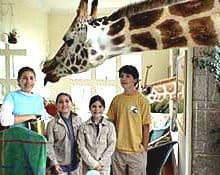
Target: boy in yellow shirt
(130,112)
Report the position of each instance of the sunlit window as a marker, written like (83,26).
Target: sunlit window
(102,81)
(107,71)
(81,96)
(132,59)
(1,93)
(2,67)
(11,60)
(17,62)
(107,92)
(82,76)
(2,45)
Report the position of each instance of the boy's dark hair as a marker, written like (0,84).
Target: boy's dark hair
(97,98)
(24,69)
(129,69)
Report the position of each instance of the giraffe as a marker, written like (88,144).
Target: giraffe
(138,27)
(165,89)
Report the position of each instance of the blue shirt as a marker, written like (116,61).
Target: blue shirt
(74,163)
(25,104)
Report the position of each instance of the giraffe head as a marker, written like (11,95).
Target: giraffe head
(79,51)
(149,24)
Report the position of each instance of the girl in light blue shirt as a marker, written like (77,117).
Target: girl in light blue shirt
(22,105)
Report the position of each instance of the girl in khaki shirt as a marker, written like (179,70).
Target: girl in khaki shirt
(96,139)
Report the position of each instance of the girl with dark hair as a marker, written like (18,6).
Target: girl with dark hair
(22,105)
(96,139)
(61,135)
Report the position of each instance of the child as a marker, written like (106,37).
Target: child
(96,139)
(61,134)
(22,105)
(130,112)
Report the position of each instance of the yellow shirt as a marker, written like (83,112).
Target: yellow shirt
(129,113)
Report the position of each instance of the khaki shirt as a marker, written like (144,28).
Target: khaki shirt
(59,146)
(93,148)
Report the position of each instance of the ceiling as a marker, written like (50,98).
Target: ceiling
(62,5)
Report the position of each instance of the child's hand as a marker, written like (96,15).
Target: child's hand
(99,167)
(142,148)
(57,169)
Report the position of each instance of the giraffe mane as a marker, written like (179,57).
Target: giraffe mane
(144,5)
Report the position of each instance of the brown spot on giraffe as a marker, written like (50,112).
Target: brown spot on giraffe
(118,40)
(84,63)
(116,27)
(74,69)
(171,32)
(77,48)
(100,57)
(68,62)
(159,89)
(136,49)
(93,52)
(144,39)
(170,88)
(50,66)
(78,61)
(115,16)
(170,28)
(203,32)
(191,8)
(73,59)
(144,19)
(86,52)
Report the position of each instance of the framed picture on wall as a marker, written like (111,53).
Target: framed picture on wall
(181,69)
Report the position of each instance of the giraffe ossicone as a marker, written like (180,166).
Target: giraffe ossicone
(147,25)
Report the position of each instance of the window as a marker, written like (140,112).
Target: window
(2,67)
(107,71)
(11,60)
(102,81)
(81,95)
(17,62)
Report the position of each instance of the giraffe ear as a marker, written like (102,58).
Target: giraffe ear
(94,6)
(82,10)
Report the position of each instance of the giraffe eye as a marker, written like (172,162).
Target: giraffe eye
(69,42)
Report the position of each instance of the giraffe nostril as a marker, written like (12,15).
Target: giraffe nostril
(93,52)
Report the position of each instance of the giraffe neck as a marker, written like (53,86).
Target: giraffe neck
(148,25)
(164,89)
(189,23)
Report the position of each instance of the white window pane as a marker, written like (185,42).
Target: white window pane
(107,71)
(18,62)
(2,45)
(107,92)
(1,93)
(132,59)
(13,87)
(84,75)
(2,67)
(81,96)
